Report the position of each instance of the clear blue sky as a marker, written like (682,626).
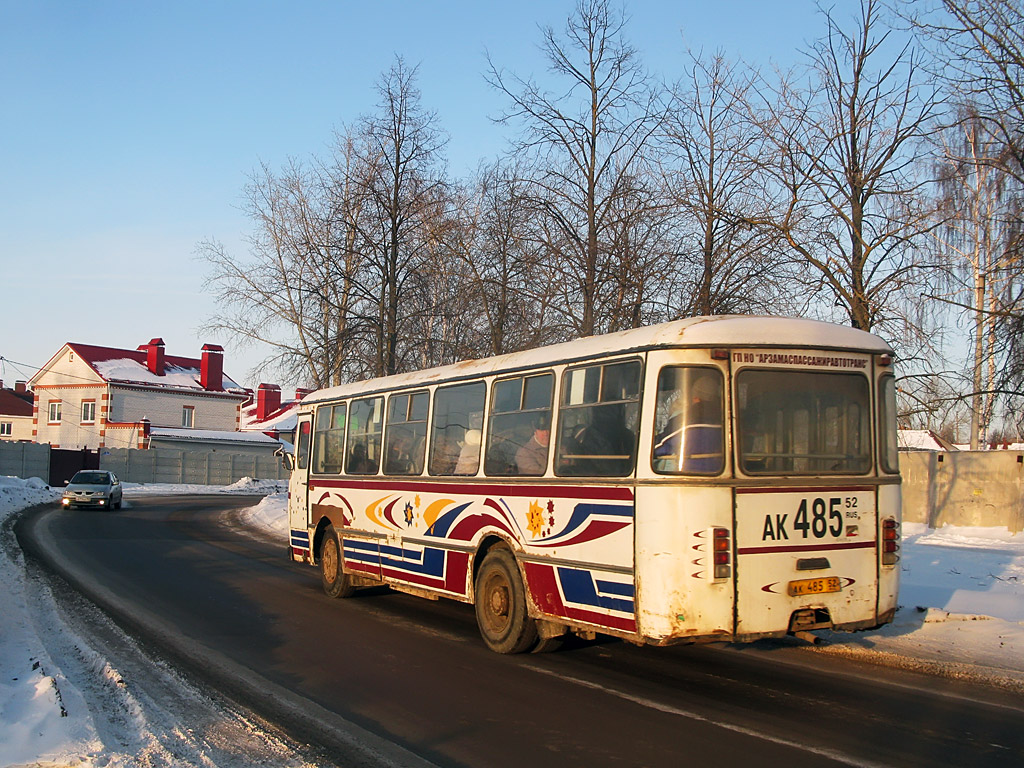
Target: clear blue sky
(128,129)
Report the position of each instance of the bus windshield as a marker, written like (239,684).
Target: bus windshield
(803,423)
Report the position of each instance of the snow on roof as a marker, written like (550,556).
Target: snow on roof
(922,440)
(129,366)
(283,419)
(210,435)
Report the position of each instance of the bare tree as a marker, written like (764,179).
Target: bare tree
(586,142)
(979,53)
(293,292)
(498,248)
(712,168)
(978,48)
(981,205)
(850,205)
(400,176)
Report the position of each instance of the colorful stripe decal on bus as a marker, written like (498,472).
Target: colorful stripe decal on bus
(431,567)
(299,540)
(579,594)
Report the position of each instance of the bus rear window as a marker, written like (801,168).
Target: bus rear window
(803,423)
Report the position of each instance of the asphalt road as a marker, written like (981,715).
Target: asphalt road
(389,679)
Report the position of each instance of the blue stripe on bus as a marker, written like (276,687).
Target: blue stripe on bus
(580,588)
(615,588)
(429,562)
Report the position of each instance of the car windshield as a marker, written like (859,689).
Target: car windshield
(91,478)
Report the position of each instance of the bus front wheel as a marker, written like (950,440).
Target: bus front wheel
(335,581)
(500,603)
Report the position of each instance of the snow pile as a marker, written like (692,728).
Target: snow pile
(34,725)
(246,485)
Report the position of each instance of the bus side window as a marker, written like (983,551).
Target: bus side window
(406,436)
(520,426)
(599,420)
(455,429)
(364,432)
(688,419)
(329,439)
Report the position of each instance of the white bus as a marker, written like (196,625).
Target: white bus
(712,479)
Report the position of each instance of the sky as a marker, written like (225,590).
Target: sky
(128,131)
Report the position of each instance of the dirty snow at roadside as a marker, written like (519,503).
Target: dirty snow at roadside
(961,597)
(116,710)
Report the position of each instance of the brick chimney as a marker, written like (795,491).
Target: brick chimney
(301,392)
(20,388)
(211,371)
(154,356)
(268,400)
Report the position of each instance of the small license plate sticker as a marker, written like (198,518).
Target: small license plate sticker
(815,586)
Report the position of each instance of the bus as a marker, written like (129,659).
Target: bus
(721,478)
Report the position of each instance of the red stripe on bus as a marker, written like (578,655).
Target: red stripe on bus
(809,489)
(495,489)
(806,548)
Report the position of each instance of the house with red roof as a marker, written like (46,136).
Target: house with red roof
(89,396)
(16,409)
(267,412)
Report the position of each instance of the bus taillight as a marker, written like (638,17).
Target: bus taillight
(890,541)
(722,546)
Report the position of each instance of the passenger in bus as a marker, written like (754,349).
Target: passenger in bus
(692,439)
(359,462)
(532,457)
(469,454)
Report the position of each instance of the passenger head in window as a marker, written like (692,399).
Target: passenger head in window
(532,457)
(705,402)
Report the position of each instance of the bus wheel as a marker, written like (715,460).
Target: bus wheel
(500,605)
(335,581)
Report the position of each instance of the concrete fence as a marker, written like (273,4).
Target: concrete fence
(166,465)
(25,460)
(971,488)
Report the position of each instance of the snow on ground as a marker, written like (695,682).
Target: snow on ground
(961,598)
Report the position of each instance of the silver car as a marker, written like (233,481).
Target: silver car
(93,488)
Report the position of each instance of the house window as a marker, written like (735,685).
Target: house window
(6,428)
(89,412)
(53,417)
(188,413)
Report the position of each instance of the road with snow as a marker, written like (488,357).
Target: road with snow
(385,678)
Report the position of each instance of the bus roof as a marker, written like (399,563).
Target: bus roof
(744,331)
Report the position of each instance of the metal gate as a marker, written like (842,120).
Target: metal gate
(65,462)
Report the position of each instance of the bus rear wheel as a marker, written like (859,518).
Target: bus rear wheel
(335,581)
(500,604)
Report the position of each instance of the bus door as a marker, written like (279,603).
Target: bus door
(806,505)
(684,503)
(298,483)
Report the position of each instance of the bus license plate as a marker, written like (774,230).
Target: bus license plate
(815,586)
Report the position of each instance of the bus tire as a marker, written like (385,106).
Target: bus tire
(335,581)
(500,603)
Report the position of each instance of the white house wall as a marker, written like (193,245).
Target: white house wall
(163,409)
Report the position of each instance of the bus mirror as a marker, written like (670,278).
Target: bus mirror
(287,459)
